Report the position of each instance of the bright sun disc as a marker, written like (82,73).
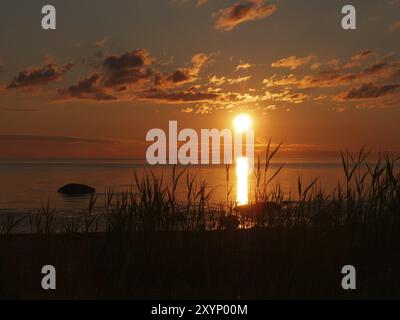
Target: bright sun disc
(242,123)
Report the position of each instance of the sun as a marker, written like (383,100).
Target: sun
(242,122)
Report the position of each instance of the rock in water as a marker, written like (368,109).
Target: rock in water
(74,189)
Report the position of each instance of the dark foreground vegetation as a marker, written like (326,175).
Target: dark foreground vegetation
(299,263)
(147,244)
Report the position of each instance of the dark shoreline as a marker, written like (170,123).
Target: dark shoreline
(280,263)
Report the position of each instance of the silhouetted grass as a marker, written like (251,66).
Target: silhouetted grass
(147,244)
(368,194)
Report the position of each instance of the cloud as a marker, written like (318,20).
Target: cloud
(395,26)
(199,109)
(283,81)
(292,62)
(369,77)
(187,110)
(188,96)
(101,43)
(369,91)
(37,76)
(333,63)
(238,80)
(271,107)
(217,80)
(62,139)
(118,73)
(129,68)
(182,75)
(20,109)
(287,96)
(198,2)
(358,58)
(320,97)
(243,66)
(222,80)
(87,88)
(129,60)
(215,98)
(130,75)
(391,100)
(243,11)
(337,76)
(136,76)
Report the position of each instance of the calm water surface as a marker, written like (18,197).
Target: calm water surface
(26,183)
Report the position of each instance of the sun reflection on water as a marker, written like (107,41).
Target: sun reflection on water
(242,123)
(242,174)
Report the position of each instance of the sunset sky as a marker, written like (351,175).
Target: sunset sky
(115,69)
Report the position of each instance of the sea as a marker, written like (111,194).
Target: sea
(27,184)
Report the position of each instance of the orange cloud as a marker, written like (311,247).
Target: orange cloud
(222,80)
(129,68)
(358,58)
(287,96)
(334,77)
(281,82)
(88,88)
(241,12)
(37,76)
(368,91)
(200,109)
(243,66)
(292,62)
(188,96)
(182,75)
(135,75)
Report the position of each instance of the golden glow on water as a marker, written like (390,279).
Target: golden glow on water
(242,124)
(242,174)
